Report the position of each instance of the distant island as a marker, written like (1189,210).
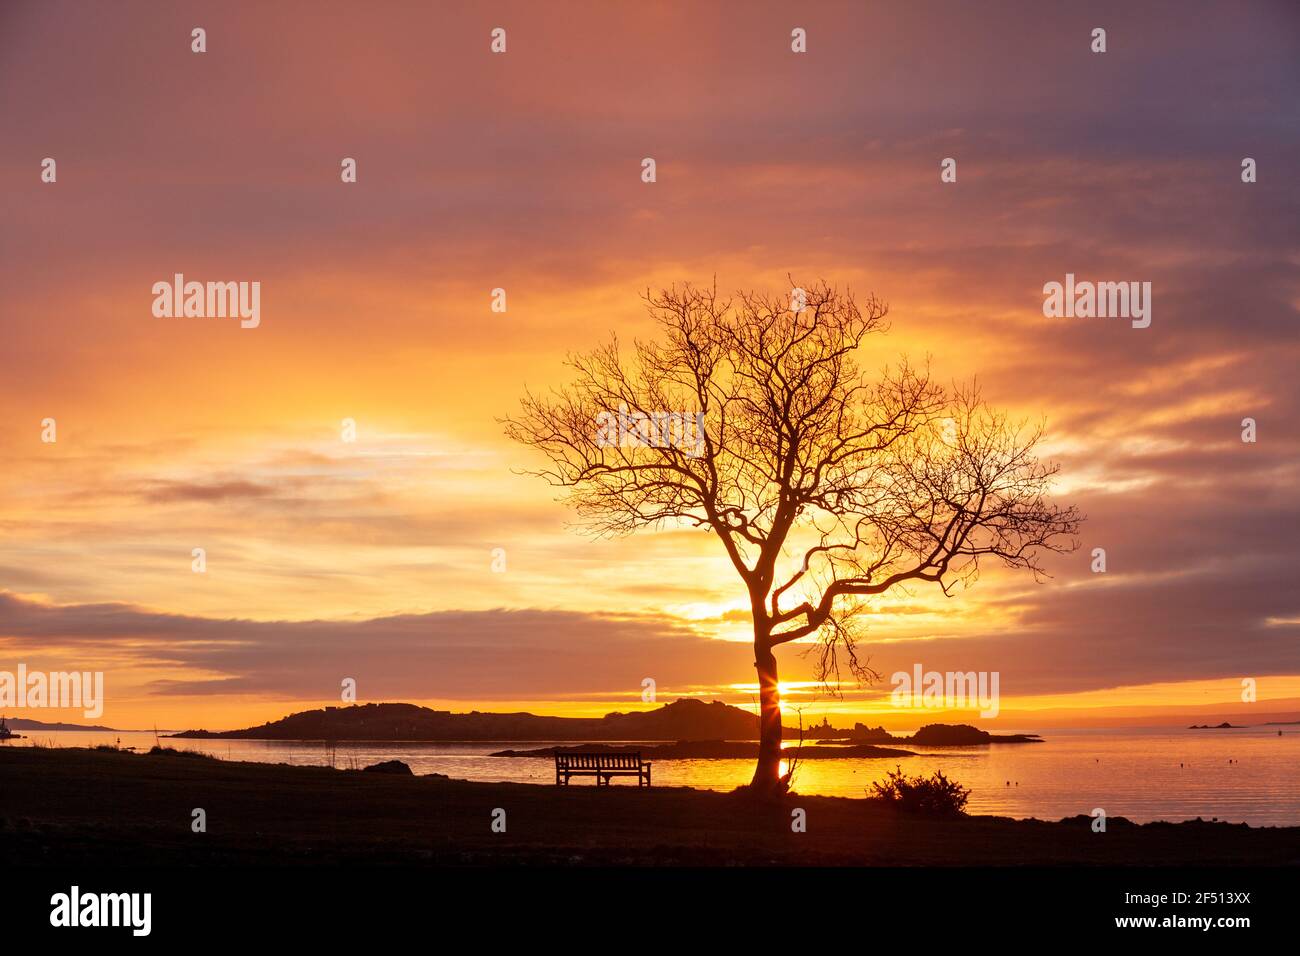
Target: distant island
(1223,726)
(22,723)
(689,729)
(931,735)
(685,719)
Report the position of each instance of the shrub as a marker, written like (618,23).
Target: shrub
(936,796)
(173,752)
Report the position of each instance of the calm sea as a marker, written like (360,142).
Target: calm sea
(1141,774)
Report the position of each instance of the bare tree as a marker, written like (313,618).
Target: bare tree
(825,487)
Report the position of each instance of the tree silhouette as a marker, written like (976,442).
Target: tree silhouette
(825,487)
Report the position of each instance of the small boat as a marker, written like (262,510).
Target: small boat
(6,733)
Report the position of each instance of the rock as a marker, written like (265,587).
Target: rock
(964,735)
(947,735)
(388,766)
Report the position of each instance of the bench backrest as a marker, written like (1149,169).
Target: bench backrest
(598,761)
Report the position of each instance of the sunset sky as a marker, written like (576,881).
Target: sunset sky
(372,559)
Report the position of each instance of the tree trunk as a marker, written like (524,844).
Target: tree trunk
(767,774)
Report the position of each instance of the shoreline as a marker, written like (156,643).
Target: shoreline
(714,750)
(83,806)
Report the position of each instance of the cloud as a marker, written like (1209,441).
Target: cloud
(168,492)
(496,654)
(1210,622)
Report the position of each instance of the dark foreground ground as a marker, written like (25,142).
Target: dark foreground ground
(84,807)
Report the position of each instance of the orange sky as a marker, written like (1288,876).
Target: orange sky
(372,559)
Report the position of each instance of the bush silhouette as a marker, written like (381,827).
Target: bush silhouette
(936,796)
(158,749)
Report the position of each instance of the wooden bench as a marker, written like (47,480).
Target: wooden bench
(600,765)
